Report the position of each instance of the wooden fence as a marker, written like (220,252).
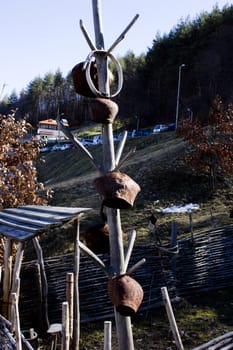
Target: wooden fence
(203,264)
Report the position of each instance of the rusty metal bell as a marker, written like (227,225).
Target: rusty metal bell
(78,74)
(126,294)
(117,190)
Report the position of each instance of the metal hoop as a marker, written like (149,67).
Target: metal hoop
(88,75)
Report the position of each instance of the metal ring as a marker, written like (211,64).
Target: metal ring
(88,75)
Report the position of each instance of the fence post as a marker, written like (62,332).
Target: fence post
(171,318)
(107,335)
(65,326)
(70,299)
(173,247)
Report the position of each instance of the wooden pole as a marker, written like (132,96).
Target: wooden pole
(191,224)
(7,277)
(70,299)
(14,298)
(65,326)
(76,318)
(16,275)
(107,335)
(43,282)
(123,324)
(171,318)
(173,246)
(17,267)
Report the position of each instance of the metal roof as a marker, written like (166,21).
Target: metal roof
(25,222)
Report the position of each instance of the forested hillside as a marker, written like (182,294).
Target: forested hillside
(203,44)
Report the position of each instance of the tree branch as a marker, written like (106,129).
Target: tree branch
(120,148)
(121,37)
(79,145)
(94,257)
(87,36)
(129,249)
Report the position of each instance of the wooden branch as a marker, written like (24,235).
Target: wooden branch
(121,147)
(125,158)
(94,257)
(136,266)
(129,249)
(121,37)
(78,144)
(87,36)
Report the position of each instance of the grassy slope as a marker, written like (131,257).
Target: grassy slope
(156,166)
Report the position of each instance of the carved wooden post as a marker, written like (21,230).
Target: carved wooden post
(123,324)
(111,163)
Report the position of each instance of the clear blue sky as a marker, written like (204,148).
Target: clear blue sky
(41,36)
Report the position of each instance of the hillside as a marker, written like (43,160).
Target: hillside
(157,167)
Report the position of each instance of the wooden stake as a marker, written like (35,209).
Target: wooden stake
(7,277)
(44,283)
(107,335)
(70,299)
(16,321)
(171,318)
(16,274)
(173,246)
(65,326)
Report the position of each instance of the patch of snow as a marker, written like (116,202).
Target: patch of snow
(187,208)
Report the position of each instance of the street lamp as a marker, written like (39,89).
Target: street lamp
(178,93)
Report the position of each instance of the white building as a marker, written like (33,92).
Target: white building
(49,130)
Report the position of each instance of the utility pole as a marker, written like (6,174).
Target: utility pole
(178,94)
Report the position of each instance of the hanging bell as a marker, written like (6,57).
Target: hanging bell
(81,85)
(126,294)
(102,110)
(117,190)
(79,79)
